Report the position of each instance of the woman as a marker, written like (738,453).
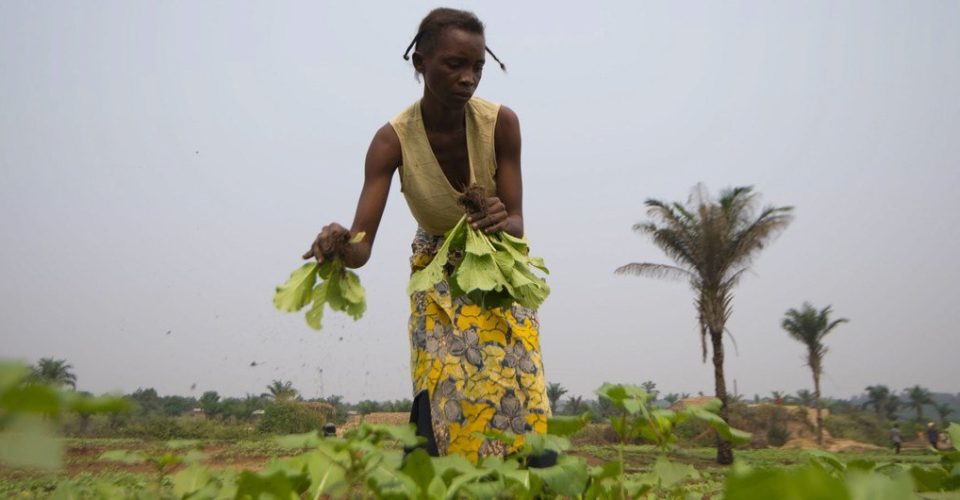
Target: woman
(474,370)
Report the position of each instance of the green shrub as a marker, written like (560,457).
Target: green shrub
(777,435)
(861,427)
(289,417)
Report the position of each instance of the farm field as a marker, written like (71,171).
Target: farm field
(85,466)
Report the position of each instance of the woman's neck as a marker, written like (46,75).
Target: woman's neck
(436,116)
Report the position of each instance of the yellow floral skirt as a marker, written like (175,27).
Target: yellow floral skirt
(480,367)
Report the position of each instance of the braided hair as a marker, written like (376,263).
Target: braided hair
(440,19)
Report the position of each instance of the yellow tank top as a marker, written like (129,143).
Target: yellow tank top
(431,198)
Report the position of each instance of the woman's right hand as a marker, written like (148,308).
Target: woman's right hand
(331,242)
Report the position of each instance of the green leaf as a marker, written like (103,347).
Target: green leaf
(418,467)
(189,480)
(669,474)
(954,432)
(276,485)
(477,243)
(315,313)
(567,478)
(786,484)
(566,426)
(426,278)
(866,486)
(295,293)
(11,375)
(294,441)
(96,405)
(30,441)
(31,398)
(406,435)
(928,478)
(726,432)
(478,272)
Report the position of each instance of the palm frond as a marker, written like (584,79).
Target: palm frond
(655,271)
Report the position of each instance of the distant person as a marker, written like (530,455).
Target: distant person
(896,438)
(933,435)
(475,369)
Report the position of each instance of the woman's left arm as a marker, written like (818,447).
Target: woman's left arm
(505,210)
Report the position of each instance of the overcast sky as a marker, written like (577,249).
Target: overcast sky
(163,165)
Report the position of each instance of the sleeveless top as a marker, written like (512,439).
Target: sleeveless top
(431,198)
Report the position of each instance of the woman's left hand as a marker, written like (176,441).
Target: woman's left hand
(495,220)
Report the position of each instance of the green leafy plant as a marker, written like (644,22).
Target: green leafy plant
(29,410)
(339,288)
(494,271)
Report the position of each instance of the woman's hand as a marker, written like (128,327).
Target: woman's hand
(331,242)
(497,218)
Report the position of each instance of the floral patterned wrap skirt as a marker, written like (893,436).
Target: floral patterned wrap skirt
(480,367)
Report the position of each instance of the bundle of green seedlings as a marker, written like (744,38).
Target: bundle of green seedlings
(338,287)
(496,270)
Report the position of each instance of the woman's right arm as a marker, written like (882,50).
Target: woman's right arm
(383,158)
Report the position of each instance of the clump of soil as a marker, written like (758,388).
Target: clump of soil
(474,200)
(335,247)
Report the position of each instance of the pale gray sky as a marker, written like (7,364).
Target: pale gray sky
(164,164)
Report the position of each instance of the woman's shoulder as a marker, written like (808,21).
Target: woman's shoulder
(409,114)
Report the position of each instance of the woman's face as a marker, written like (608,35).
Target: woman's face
(452,70)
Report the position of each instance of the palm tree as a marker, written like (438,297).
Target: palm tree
(712,243)
(917,397)
(575,405)
(943,410)
(809,327)
(805,397)
(55,371)
(878,396)
(281,391)
(651,388)
(554,393)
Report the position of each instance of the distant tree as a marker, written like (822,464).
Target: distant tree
(172,406)
(281,391)
(881,399)
(339,407)
(210,403)
(55,371)
(805,397)
(943,411)
(554,393)
(651,388)
(712,243)
(146,401)
(894,404)
(809,327)
(369,406)
(917,397)
(575,405)
(777,396)
(671,398)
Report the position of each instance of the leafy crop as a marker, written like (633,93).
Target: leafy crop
(370,463)
(339,288)
(494,271)
(28,412)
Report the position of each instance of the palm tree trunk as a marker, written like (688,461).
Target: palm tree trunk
(724,448)
(816,395)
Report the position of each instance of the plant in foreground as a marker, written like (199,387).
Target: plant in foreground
(339,288)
